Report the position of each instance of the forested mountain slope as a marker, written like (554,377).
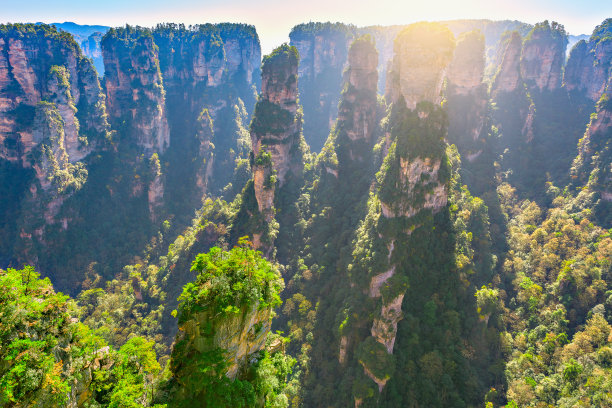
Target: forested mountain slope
(446,243)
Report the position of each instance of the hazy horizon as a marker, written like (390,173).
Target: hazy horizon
(274,19)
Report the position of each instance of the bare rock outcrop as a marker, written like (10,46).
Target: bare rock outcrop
(52,115)
(414,197)
(39,63)
(423,52)
(591,170)
(467,94)
(509,75)
(134,86)
(323,50)
(276,126)
(590,63)
(543,56)
(356,122)
(466,70)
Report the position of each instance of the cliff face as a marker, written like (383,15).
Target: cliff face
(422,54)
(357,109)
(134,87)
(276,126)
(52,115)
(467,95)
(206,56)
(413,187)
(38,63)
(543,56)
(241,335)
(589,64)
(466,70)
(91,48)
(591,169)
(508,76)
(212,67)
(224,320)
(323,51)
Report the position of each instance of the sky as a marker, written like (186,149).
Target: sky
(275,18)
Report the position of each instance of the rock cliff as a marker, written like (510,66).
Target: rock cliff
(466,70)
(357,108)
(91,48)
(134,87)
(212,67)
(591,170)
(323,51)
(38,63)
(413,187)
(590,63)
(224,319)
(206,57)
(543,56)
(276,126)
(508,76)
(52,115)
(467,95)
(423,52)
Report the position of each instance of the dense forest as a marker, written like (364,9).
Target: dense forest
(402,216)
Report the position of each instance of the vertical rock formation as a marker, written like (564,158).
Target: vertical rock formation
(52,115)
(537,121)
(208,56)
(357,108)
(224,320)
(494,35)
(508,89)
(592,169)
(134,87)
(543,56)
(422,54)
(276,127)
(413,188)
(590,63)
(155,193)
(211,67)
(466,70)
(91,48)
(467,95)
(412,191)
(204,134)
(38,63)
(508,75)
(323,55)
(383,37)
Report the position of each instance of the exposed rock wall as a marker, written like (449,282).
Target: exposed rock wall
(134,87)
(423,52)
(591,169)
(212,67)
(240,335)
(323,51)
(276,126)
(467,94)
(509,75)
(543,56)
(466,70)
(357,109)
(590,63)
(209,55)
(52,115)
(413,184)
(31,58)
